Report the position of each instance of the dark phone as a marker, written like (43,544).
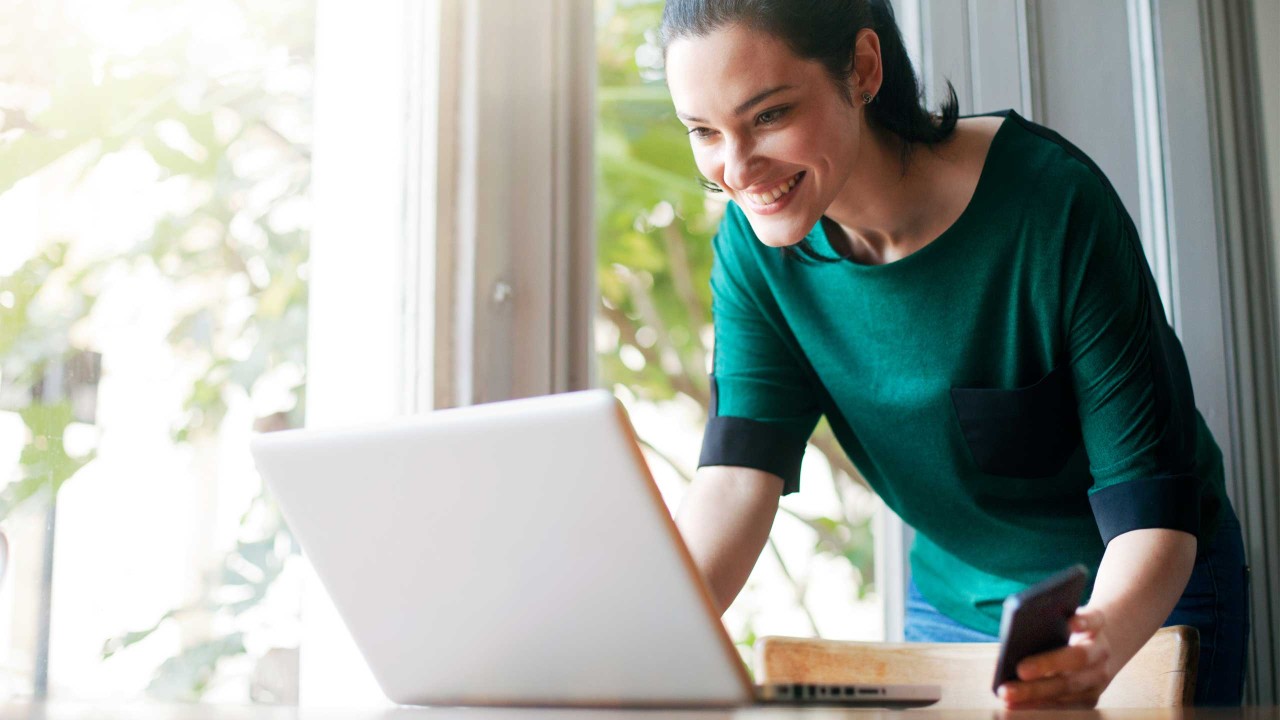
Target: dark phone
(1035,620)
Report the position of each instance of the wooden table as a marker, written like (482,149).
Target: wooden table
(156,711)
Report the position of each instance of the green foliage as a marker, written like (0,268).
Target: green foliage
(242,582)
(188,674)
(44,464)
(850,539)
(231,136)
(746,646)
(34,336)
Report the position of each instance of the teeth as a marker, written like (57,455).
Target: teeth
(770,196)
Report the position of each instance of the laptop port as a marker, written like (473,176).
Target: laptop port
(868,691)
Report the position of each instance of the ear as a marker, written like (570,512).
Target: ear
(868,72)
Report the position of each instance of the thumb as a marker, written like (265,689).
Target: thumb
(1087,620)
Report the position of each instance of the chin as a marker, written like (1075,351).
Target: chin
(778,236)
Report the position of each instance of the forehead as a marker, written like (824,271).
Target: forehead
(708,76)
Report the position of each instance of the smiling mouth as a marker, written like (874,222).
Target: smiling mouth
(776,193)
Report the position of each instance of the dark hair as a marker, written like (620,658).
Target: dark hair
(825,31)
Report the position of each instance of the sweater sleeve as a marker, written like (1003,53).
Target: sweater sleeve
(763,405)
(1137,412)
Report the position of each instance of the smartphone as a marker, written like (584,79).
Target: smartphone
(1035,620)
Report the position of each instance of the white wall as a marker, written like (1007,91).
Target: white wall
(1266,17)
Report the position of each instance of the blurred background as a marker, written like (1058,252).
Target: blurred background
(154,175)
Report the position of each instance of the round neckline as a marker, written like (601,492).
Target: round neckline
(984,180)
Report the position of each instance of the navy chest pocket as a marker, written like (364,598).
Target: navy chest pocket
(1026,432)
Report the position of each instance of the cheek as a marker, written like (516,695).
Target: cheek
(808,144)
(709,163)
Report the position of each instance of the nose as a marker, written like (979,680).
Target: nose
(740,164)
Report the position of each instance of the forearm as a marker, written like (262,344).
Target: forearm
(1142,575)
(725,520)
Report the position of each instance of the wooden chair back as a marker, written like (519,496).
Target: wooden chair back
(1162,674)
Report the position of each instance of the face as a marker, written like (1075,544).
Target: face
(766,126)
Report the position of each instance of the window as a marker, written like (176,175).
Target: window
(154,168)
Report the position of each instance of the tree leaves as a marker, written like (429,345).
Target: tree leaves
(188,674)
(235,135)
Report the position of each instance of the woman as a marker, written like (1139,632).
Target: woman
(966,301)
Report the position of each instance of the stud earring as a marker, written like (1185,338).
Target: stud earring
(867,98)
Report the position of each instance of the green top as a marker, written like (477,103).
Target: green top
(1012,389)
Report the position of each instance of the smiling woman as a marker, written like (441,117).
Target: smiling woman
(984,336)
(799,111)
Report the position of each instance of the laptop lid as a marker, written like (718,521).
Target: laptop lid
(515,553)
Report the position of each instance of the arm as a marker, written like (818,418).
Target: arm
(725,519)
(762,409)
(1143,573)
(1138,422)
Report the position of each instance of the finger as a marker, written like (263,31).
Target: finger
(1087,620)
(1087,698)
(1063,660)
(1022,693)
(1055,688)
(1091,680)
(1085,701)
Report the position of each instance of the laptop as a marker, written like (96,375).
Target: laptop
(517,553)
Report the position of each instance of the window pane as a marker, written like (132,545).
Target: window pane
(154,166)
(653,338)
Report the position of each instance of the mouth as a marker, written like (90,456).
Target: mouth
(776,198)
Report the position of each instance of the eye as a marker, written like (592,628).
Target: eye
(701,133)
(772,115)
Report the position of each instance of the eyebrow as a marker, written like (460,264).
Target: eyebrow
(753,101)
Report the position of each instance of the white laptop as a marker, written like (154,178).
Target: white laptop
(517,553)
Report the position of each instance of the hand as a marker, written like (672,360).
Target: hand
(1073,676)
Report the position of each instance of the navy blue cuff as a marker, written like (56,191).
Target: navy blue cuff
(743,442)
(1171,502)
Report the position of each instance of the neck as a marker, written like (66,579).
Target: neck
(882,209)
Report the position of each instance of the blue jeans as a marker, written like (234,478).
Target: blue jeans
(1215,602)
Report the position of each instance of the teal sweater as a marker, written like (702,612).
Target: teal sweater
(1012,390)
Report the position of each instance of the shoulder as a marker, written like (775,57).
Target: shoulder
(734,268)
(1060,168)
(735,244)
(744,267)
(974,137)
(735,234)
(1054,186)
